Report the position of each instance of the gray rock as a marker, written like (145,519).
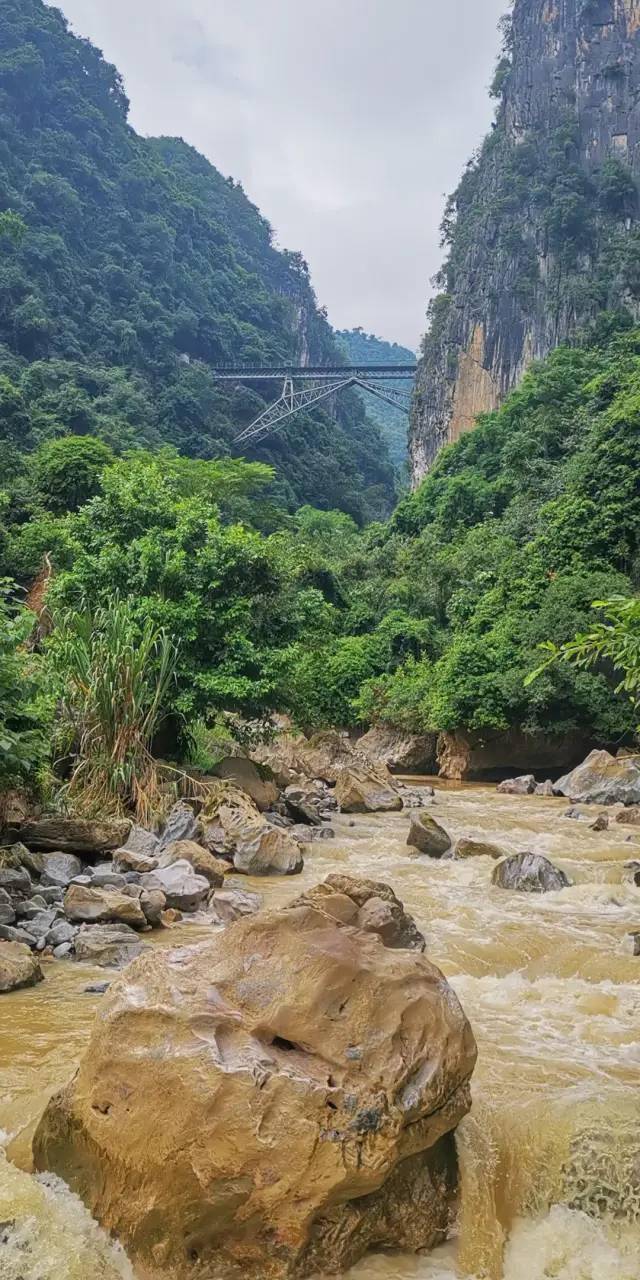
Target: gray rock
(523,786)
(181,824)
(107,947)
(142,842)
(28,858)
(324,833)
(7,913)
(304,835)
(427,836)
(153,903)
(182,888)
(634,943)
(74,835)
(50,893)
(102,878)
(26,910)
(10,933)
(602,779)
(303,804)
(633,868)
(62,951)
(60,869)
(576,814)
(60,932)
(16,881)
(83,880)
(41,944)
(529,873)
(39,925)
(226,905)
(96,988)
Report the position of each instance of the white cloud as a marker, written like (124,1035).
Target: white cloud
(345,120)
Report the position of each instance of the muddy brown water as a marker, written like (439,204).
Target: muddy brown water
(550,1154)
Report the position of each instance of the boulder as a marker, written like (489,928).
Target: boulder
(40,923)
(18,967)
(16,933)
(203,863)
(142,842)
(60,868)
(256,780)
(29,858)
(634,944)
(181,824)
(529,873)
(523,786)
(182,888)
(108,879)
(399,751)
(303,804)
(633,868)
(75,835)
(629,817)
(153,903)
(125,860)
(544,788)
(273,1102)
(468,848)
(369,905)
(487,755)
(366,790)
(60,932)
(237,829)
(16,881)
(602,779)
(85,905)
(427,836)
(226,905)
(108,947)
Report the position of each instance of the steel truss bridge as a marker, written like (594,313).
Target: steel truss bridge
(306,385)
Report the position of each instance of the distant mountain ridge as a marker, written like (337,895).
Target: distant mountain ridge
(142,266)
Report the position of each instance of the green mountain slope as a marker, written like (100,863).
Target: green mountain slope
(141,266)
(365,348)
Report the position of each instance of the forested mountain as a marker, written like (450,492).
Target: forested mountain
(365,348)
(139,267)
(543,232)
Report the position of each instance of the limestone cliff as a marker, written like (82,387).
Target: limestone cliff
(542,233)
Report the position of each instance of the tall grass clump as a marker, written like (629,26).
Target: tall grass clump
(112,676)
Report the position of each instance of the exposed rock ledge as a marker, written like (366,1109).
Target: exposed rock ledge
(274,1102)
(488,756)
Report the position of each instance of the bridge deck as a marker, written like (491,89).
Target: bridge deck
(259,373)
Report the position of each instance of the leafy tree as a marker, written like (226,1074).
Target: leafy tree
(68,471)
(22,740)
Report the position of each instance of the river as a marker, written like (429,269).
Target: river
(550,1154)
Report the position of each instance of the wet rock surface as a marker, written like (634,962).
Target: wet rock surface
(529,873)
(603,779)
(331,1062)
(366,790)
(427,836)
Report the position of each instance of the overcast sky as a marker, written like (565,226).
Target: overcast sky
(346,121)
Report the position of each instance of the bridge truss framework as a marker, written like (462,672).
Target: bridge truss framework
(304,386)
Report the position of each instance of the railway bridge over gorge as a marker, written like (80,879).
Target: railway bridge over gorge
(303,386)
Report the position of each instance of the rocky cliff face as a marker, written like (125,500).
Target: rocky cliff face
(542,232)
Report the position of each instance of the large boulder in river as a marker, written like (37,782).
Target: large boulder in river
(427,836)
(273,1102)
(466,847)
(629,817)
(529,873)
(603,779)
(85,905)
(18,967)
(400,751)
(362,789)
(75,835)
